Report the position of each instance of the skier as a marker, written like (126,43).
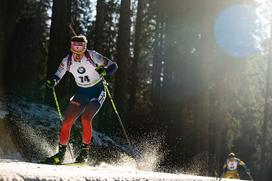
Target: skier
(230,168)
(88,68)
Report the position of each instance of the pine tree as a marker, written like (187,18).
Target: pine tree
(123,55)
(30,34)
(133,78)
(10,10)
(59,43)
(99,26)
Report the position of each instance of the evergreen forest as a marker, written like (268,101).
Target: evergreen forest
(193,76)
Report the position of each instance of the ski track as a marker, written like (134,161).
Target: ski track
(12,170)
(17,170)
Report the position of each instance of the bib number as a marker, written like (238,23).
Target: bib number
(232,165)
(84,79)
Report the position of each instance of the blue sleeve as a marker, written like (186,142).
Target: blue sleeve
(111,68)
(101,60)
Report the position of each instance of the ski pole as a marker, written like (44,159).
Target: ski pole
(60,116)
(118,116)
(57,103)
(250,177)
(116,112)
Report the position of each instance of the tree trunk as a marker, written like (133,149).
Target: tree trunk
(123,41)
(9,12)
(266,114)
(157,62)
(59,40)
(99,26)
(203,114)
(133,82)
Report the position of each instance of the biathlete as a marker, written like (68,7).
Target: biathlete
(88,68)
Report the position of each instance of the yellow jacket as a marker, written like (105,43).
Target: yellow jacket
(230,168)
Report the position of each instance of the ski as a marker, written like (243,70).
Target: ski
(65,164)
(75,164)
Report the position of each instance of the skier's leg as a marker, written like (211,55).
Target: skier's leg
(97,96)
(86,120)
(71,115)
(72,112)
(232,175)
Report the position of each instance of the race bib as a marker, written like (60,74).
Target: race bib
(232,165)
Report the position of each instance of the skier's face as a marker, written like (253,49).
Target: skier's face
(231,159)
(77,57)
(78,47)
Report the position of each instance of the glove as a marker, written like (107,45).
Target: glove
(51,83)
(101,70)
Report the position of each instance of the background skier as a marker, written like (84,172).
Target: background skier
(88,67)
(230,168)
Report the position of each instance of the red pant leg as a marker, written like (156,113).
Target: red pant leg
(86,120)
(71,115)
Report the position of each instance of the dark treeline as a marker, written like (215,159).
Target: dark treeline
(173,80)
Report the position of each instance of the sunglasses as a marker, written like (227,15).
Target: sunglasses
(78,46)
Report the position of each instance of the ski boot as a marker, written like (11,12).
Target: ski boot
(58,158)
(84,154)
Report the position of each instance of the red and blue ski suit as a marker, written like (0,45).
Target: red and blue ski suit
(90,94)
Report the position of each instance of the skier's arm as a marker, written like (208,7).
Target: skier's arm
(245,168)
(104,63)
(110,67)
(62,69)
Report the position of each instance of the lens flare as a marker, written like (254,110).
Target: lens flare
(241,29)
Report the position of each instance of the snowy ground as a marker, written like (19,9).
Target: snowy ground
(44,119)
(19,171)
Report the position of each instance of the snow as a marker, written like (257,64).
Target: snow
(3,111)
(19,171)
(3,114)
(34,119)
